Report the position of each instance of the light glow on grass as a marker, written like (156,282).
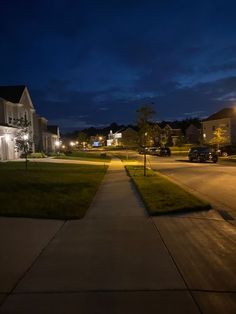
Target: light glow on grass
(162,196)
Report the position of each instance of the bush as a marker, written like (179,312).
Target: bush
(37,155)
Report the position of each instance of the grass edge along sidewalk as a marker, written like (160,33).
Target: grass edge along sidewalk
(161,196)
(88,156)
(47,190)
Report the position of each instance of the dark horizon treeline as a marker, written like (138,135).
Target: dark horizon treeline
(92,131)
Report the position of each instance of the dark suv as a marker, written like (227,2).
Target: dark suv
(202,154)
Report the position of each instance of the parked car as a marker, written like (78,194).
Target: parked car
(227,150)
(148,150)
(152,150)
(202,154)
(156,151)
(163,151)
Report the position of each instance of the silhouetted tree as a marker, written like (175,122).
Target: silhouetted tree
(144,115)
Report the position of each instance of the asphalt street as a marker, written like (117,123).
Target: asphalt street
(213,182)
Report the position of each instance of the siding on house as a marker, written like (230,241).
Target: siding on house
(225,119)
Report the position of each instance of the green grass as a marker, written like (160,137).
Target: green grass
(89,156)
(45,190)
(161,196)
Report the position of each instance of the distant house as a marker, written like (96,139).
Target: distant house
(52,138)
(114,139)
(225,119)
(171,135)
(192,134)
(16,103)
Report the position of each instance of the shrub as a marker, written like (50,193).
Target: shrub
(37,155)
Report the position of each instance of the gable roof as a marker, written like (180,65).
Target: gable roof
(222,114)
(12,93)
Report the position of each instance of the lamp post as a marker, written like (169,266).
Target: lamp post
(145,155)
(57,145)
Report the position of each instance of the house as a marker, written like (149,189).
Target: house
(192,134)
(224,119)
(16,103)
(52,139)
(171,135)
(114,138)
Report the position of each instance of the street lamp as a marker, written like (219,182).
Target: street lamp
(145,155)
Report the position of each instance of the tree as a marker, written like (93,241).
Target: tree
(144,115)
(219,137)
(82,138)
(24,140)
(129,138)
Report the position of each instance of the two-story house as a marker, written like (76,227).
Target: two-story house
(16,103)
(224,119)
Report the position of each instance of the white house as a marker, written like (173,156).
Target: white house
(16,103)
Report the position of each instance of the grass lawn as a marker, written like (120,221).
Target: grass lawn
(89,156)
(160,195)
(48,190)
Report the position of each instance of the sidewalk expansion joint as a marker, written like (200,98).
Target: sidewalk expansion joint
(32,264)
(99,291)
(178,269)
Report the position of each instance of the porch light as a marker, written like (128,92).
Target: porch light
(7,137)
(25,137)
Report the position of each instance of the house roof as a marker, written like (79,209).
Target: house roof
(12,93)
(53,129)
(222,114)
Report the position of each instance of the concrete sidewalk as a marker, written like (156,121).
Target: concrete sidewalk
(118,260)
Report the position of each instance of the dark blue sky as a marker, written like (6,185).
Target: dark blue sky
(95,62)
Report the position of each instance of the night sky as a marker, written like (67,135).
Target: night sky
(95,62)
